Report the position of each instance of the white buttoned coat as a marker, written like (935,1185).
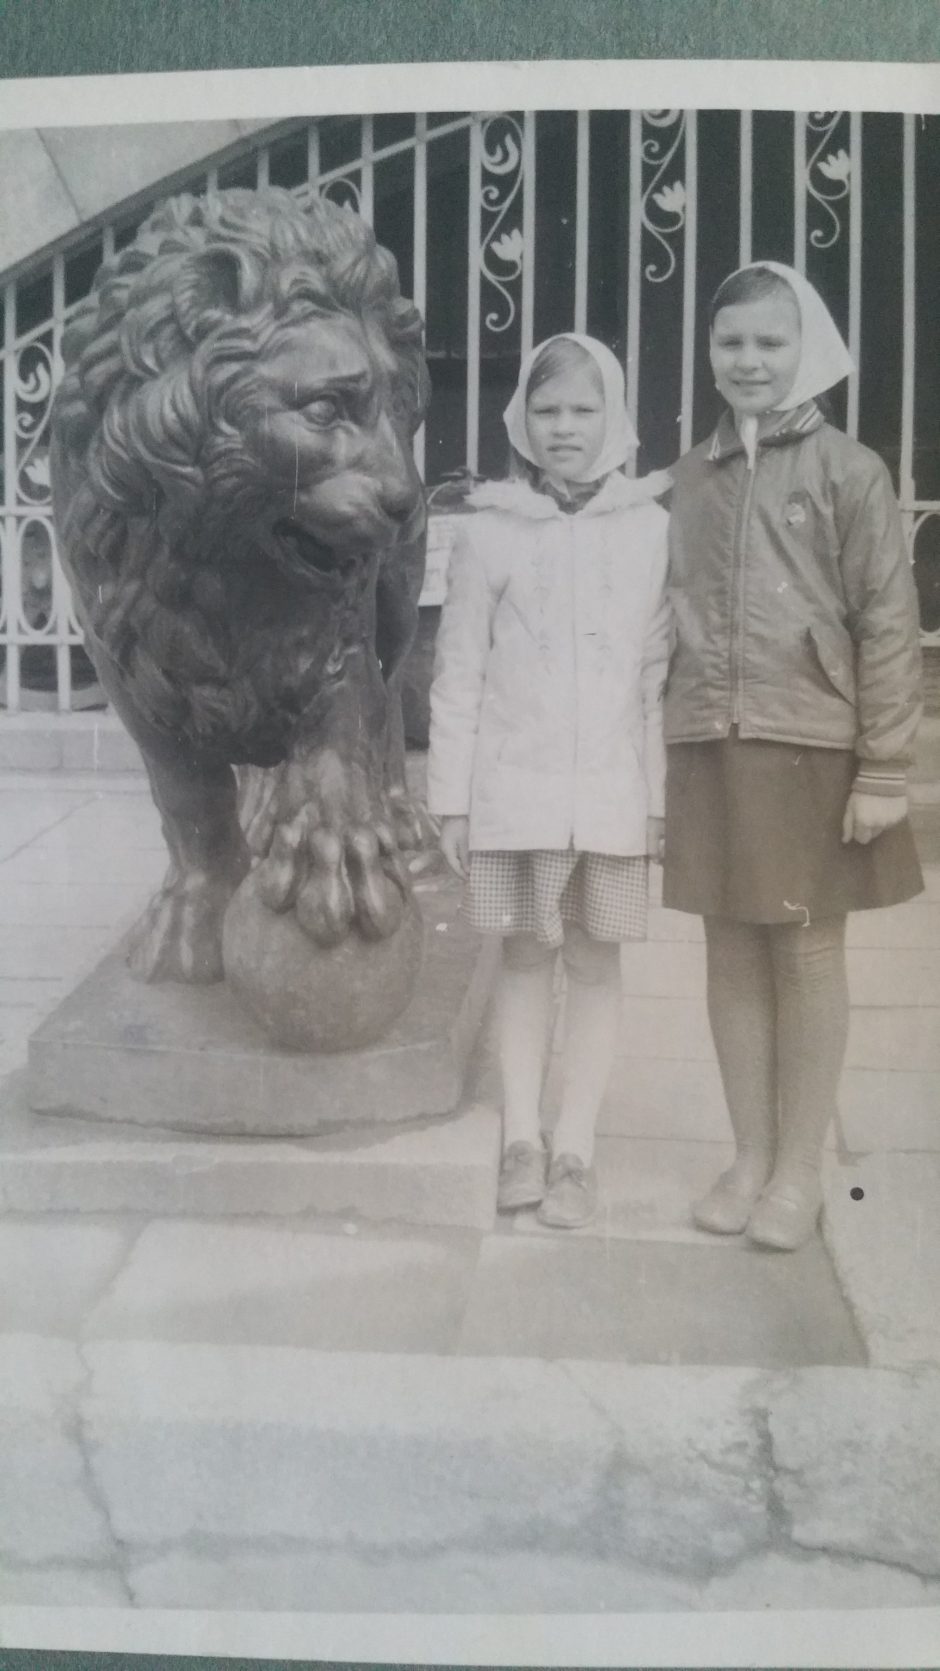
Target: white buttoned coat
(546,705)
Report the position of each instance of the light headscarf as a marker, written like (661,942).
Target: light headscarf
(824,358)
(620,438)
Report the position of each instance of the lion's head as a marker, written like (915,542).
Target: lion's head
(249,361)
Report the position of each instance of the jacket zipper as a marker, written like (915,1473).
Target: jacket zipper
(736,637)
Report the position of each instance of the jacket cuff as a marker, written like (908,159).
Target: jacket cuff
(881,777)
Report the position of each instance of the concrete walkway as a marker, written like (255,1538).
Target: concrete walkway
(170,1383)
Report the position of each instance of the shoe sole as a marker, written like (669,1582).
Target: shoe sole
(565,1223)
(511,1204)
(719,1229)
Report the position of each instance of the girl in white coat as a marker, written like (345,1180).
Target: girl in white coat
(546,764)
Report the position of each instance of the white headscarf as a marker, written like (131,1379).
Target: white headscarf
(620,439)
(824,358)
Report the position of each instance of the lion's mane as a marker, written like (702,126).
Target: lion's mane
(202,289)
(154,482)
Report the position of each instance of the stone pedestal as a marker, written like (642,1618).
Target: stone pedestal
(189,1059)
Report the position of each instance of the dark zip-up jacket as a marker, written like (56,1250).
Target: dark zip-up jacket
(794,609)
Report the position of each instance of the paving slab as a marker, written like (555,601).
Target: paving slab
(798,1579)
(24,817)
(879,1109)
(343,1451)
(882,1227)
(55,1270)
(676,1029)
(55,1584)
(457,1581)
(437,1172)
(656,1303)
(49,1511)
(180,1057)
(646,1187)
(289,1285)
(858,1464)
(690,1493)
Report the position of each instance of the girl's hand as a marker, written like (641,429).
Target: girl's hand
(455,844)
(867,815)
(655,839)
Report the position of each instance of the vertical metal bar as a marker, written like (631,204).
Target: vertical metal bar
(107,241)
(264,168)
(633,264)
(11,554)
(313,154)
(909,281)
(690,256)
(212,179)
(60,591)
(473,295)
(58,313)
(799,191)
(855,266)
(581,220)
(419,282)
(528,230)
(746,188)
(367,176)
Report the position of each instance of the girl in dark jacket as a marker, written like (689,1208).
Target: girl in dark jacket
(791,709)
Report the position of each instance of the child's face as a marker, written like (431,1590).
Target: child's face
(755,352)
(566,420)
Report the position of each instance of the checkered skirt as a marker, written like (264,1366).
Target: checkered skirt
(537,893)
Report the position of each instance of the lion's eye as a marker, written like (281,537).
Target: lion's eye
(322,412)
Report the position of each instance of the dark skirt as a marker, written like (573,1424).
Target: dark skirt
(754,833)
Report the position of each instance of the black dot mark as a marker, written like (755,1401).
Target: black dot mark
(857,1194)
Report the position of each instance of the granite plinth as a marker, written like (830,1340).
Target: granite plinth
(185,1058)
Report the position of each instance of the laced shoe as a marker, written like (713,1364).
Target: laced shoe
(571,1199)
(521,1176)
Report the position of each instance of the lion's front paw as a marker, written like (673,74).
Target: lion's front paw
(333,855)
(179,935)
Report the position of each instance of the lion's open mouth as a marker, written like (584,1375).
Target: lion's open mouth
(303,550)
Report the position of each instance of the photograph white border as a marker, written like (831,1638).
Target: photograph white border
(898,1637)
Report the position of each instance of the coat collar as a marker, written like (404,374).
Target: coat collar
(617,493)
(774,431)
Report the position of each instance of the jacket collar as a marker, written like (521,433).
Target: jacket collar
(774,430)
(617,493)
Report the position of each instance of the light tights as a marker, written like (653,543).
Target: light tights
(779,1009)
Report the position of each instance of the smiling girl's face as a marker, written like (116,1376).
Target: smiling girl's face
(566,420)
(755,352)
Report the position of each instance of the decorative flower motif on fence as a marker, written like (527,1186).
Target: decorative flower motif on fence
(668,197)
(501,158)
(343,190)
(33,387)
(835,166)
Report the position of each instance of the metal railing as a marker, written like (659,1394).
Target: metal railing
(495,163)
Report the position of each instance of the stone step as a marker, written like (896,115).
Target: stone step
(257,1478)
(441,1172)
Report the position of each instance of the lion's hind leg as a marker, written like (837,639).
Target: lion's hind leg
(179,935)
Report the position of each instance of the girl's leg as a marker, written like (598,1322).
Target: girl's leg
(592,1025)
(742,1013)
(524,1014)
(812,1030)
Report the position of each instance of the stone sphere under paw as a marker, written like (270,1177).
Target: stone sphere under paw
(318,998)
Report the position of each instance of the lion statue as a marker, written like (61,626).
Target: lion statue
(242,523)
